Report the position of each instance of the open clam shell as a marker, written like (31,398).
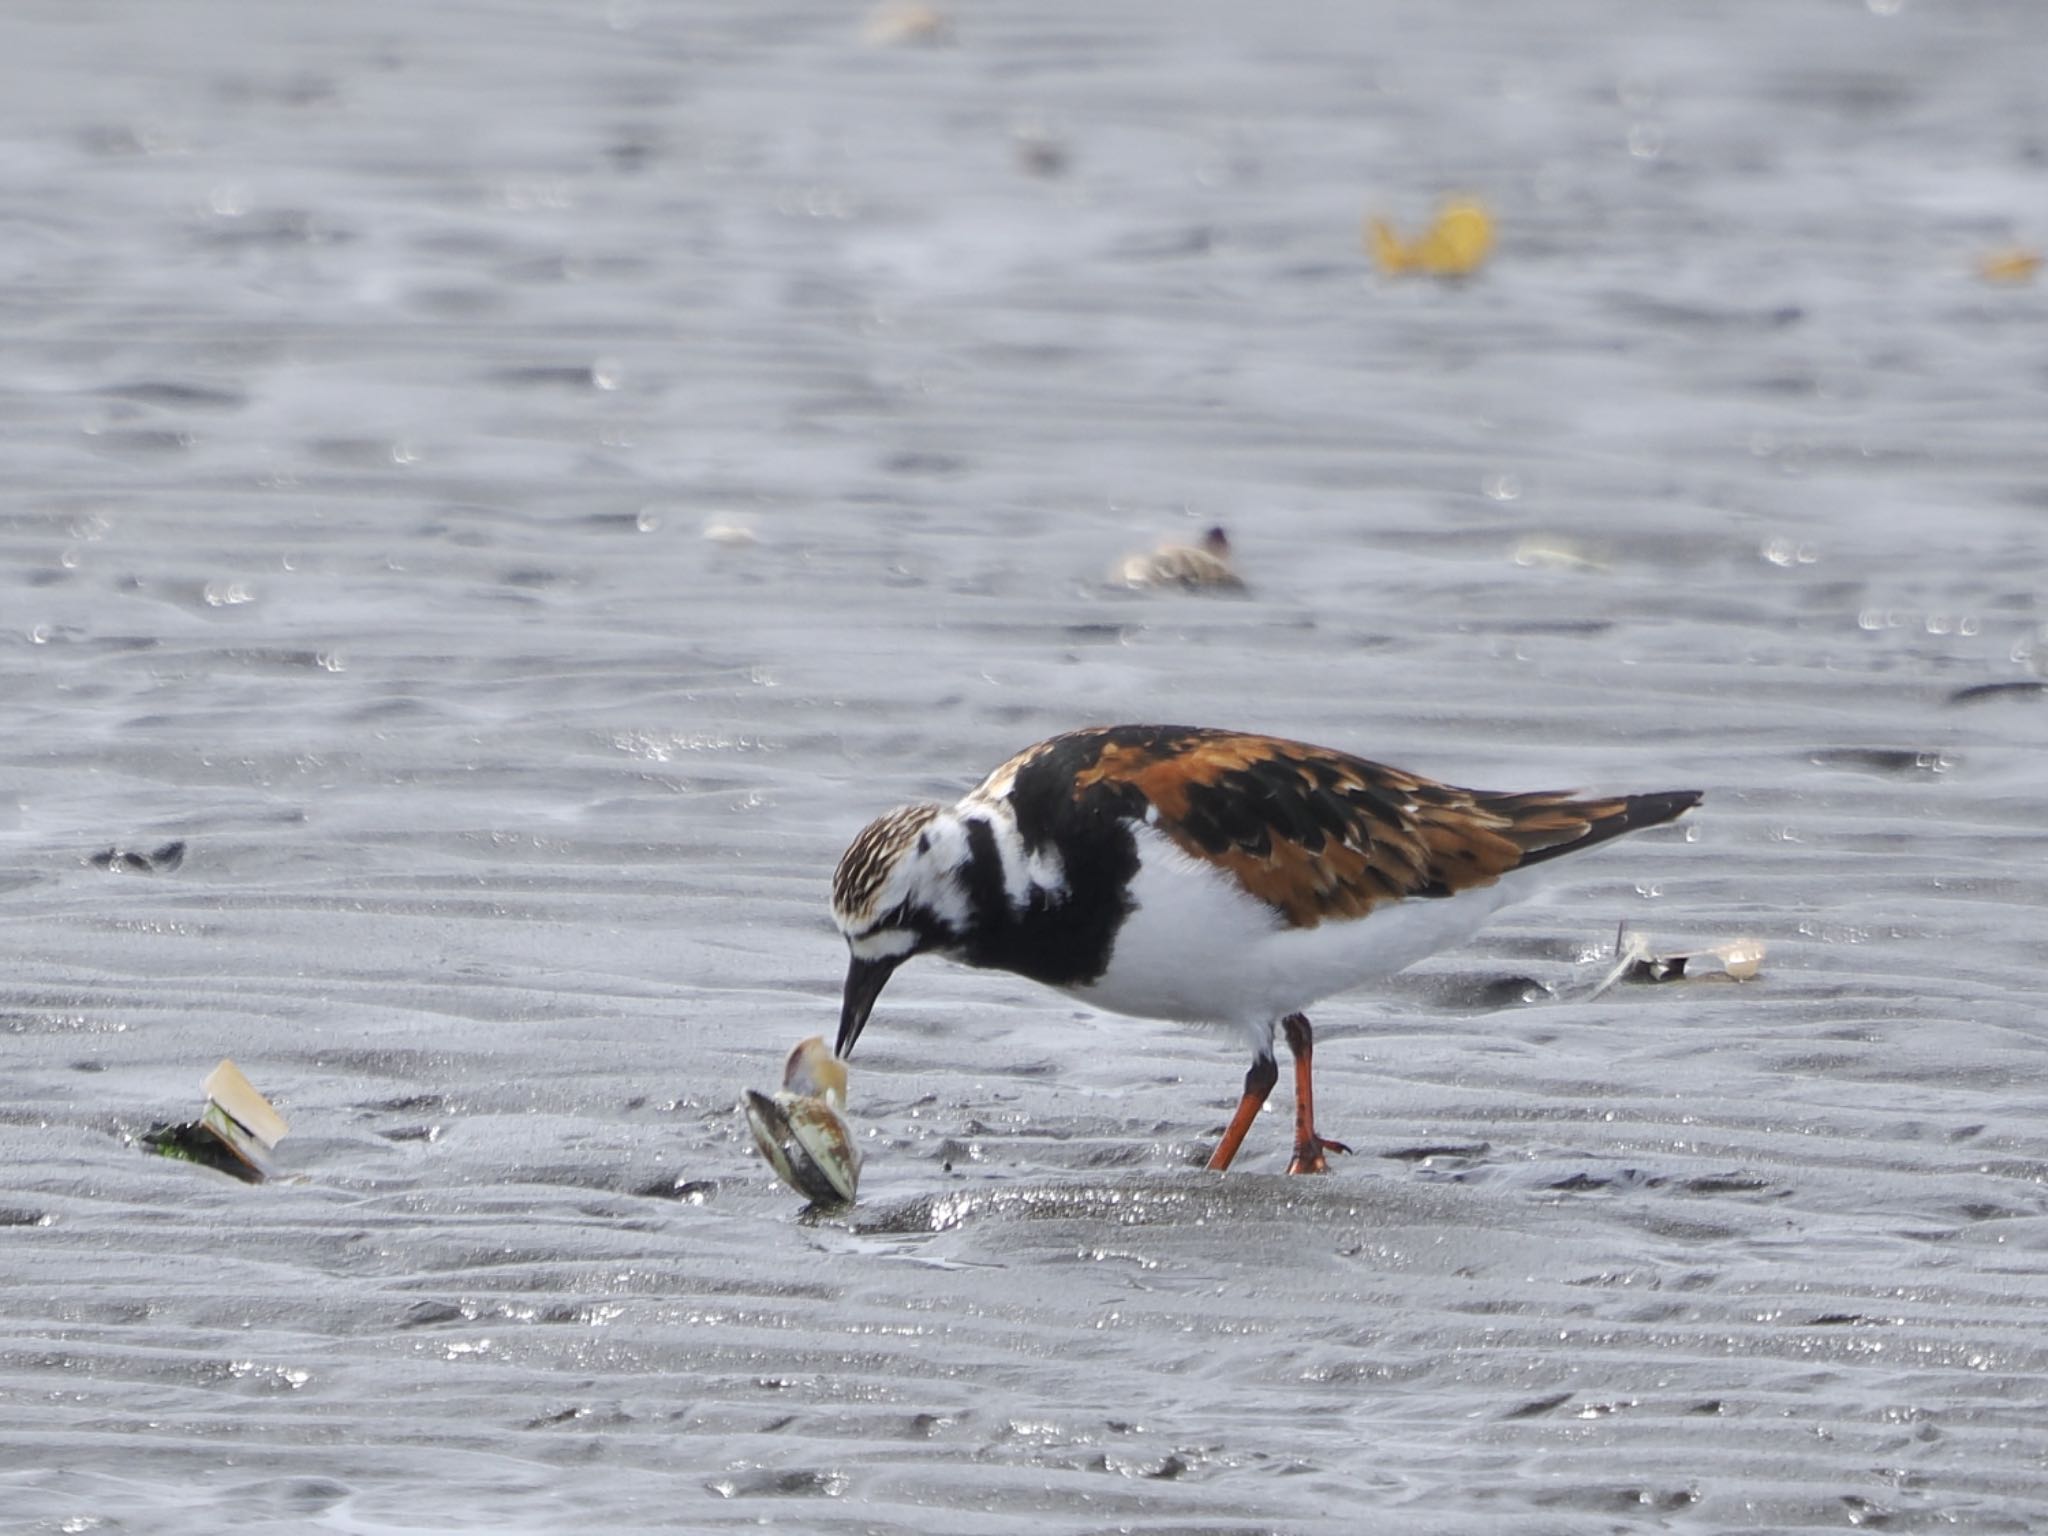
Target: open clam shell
(812,1071)
(807,1142)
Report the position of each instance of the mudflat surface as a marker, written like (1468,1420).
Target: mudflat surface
(511,488)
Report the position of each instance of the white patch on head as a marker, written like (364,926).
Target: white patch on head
(931,873)
(928,878)
(1023,871)
(925,877)
(882,944)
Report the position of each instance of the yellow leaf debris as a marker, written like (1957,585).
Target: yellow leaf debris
(2009,264)
(1456,245)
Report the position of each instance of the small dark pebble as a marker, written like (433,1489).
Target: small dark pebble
(1984,691)
(160,861)
(548,1420)
(1881,759)
(1579,1182)
(407,1104)
(1726,1184)
(1985,1210)
(550,376)
(429,1314)
(1042,157)
(1537,1407)
(1624,1178)
(1423,1154)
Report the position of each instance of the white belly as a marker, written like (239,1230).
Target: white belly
(1197,947)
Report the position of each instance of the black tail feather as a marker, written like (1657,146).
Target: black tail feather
(1611,818)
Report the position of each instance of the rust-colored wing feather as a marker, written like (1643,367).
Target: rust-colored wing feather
(1321,835)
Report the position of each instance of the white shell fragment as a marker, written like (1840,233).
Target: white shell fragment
(900,23)
(227,1087)
(1635,960)
(1740,959)
(729,535)
(234,1133)
(800,1130)
(1190,566)
(814,1072)
(1556,554)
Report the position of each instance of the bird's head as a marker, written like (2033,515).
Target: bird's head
(899,891)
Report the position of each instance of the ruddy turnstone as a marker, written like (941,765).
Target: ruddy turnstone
(1204,875)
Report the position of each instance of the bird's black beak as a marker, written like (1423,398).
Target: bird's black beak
(864,982)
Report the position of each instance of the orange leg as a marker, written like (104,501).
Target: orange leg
(1258,1084)
(1308,1146)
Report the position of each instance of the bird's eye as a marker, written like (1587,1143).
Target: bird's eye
(924,842)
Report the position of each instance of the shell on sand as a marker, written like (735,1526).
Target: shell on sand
(1192,566)
(801,1130)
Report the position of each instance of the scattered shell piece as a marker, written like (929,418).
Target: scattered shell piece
(227,1089)
(727,535)
(2009,264)
(800,1130)
(900,23)
(1635,961)
(1539,552)
(1740,959)
(1456,245)
(1192,566)
(1977,693)
(814,1072)
(233,1134)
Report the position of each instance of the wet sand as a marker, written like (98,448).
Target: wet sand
(514,487)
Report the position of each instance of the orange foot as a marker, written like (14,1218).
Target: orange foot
(1308,1155)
